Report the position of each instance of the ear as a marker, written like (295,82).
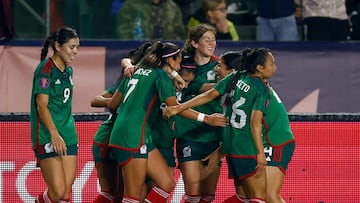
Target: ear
(194,44)
(170,61)
(57,46)
(259,68)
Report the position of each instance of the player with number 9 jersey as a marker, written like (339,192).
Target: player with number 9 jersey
(59,86)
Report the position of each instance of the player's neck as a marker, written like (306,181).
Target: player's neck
(58,63)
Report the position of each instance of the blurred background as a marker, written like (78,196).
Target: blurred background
(36,19)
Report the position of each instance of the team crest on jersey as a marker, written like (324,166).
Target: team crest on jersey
(44,83)
(187,151)
(179,95)
(49,148)
(211,75)
(71,81)
(143,149)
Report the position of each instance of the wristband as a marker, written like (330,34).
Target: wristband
(174,74)
(200,117)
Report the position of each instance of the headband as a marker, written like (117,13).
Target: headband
(171,54)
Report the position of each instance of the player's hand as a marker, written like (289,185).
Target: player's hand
(170,111)
(261,163)
(216,119)
(58,144)
(179,84)
(129,71)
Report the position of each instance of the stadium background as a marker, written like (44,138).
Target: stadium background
(318,83)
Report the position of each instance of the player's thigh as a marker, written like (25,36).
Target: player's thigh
(191,174)
(70,166)
(53,172)
(159,171)
(108,173)
(208,185)
(134,173)
(275,179)
(256,185)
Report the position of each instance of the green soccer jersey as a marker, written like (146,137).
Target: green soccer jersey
(194,130)
(103,133)
(59,86)
(276,128)
(249,94)
(142,96)
(163,133)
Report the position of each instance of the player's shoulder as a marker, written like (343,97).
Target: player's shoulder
(45,67)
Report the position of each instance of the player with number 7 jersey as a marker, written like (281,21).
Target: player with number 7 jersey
(143,94)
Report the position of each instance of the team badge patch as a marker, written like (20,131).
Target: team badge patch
(44,83)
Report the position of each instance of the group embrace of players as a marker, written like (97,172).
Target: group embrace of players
(168,101)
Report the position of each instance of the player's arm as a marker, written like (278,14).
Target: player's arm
(206,86)
(115,101)
(128,67)
(256,132)
(101,100)
(215,119)
(196,101)
(45,116)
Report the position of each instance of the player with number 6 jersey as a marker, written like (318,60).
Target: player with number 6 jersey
(258,143)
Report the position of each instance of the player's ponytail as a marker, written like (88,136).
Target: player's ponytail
(45,49)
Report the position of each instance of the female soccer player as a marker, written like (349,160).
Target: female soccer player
(196,141)
(140,98)
(257,119)
(53,133)
(108,171)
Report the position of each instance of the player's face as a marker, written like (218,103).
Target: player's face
(175,63)
(187,76)
(269,67)
(221,69)
(206,44)
(218,14)
(68,50)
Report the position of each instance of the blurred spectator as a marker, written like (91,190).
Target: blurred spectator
(161,19)
(353,11)
(214,12)
(325,19)
(276,21)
